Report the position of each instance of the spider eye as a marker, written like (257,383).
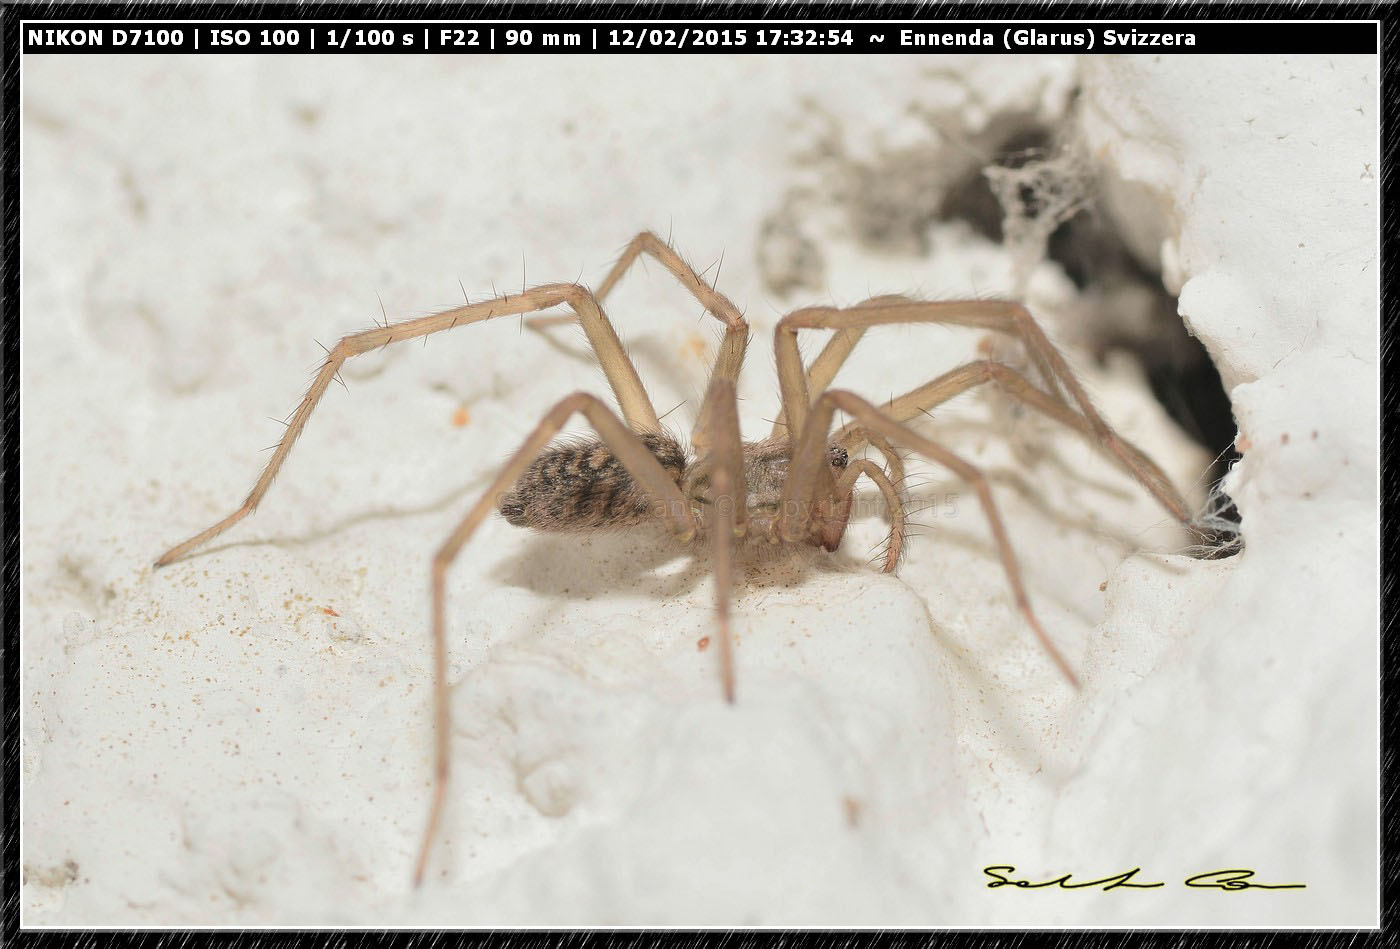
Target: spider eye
(839,457)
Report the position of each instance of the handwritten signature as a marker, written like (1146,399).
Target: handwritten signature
(1214,880)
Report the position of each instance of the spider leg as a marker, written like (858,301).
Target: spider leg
(621,374)
(730,359)
(959,380)
(724,465)
(889,480)
(809,455)
(670,505)
(1001,316)
(894,547)
(834,355)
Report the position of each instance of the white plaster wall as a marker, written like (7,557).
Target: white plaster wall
(205,744)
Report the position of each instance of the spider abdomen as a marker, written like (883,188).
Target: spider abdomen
(582,486)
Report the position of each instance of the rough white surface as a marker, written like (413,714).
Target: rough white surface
(210,744)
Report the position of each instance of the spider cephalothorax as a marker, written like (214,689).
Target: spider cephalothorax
(794,487)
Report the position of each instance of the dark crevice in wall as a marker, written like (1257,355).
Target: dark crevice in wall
(1097,259)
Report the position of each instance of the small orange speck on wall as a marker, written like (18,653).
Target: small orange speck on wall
(703,644)
(328,611)
(695,348)
(461,417)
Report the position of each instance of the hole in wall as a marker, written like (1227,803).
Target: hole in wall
(1114,282)
(1128,307)
(1024,184)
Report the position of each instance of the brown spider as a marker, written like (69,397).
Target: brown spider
(793,488)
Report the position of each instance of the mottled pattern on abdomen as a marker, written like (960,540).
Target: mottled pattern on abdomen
(580,486)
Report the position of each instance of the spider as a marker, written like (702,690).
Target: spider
(793,488)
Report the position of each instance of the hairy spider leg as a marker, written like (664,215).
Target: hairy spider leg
(834,355)
(845,485)
(724,462)
(957,381)
(809,456)
(730,359)
(1001,316)
(622,376)
(854,438)
(627,445)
